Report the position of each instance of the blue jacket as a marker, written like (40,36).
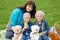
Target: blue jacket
(27,31)
(16,17)
(46,28)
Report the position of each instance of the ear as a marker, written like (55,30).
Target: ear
(13,28)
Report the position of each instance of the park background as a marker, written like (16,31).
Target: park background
(50,7)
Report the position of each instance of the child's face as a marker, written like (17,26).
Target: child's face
(26,19)
(39,18)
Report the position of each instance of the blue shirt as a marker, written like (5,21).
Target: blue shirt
(46,28)
(16,17)
(28,30)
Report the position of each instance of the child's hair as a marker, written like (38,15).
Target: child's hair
(43,15)
(40,12)
(26,15)
(42,25)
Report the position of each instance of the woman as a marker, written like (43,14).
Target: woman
(17,16)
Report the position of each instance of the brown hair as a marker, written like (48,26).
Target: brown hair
(29,3)
(42,25)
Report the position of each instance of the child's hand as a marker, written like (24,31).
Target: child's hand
(43,33)
(40,34)
(25,27)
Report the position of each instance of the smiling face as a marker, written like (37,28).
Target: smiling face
(39,18)
(27,19)
(29,8)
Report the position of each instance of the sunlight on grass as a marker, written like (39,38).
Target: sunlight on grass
(50,7)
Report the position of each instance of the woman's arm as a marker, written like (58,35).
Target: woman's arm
(14,16)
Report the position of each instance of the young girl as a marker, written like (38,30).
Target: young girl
(26,25)
(42,24)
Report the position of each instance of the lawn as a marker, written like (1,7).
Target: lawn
(50,7)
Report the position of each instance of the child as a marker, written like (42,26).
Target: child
(26,24)
(42,24)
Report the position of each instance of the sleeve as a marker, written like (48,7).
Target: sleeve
(46,28)
(14,16)
(30,26)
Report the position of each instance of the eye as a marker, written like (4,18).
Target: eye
(36,29)
(17,30)
(37,16)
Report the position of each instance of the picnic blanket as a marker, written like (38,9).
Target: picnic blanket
(2,35)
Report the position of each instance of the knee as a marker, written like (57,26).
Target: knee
(9,34)
(40,38)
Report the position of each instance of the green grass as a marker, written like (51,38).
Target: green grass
(50,7)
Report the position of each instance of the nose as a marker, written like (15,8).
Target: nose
(36,29)
(17,30)
(30,9)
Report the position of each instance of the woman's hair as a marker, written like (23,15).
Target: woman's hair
(33,6)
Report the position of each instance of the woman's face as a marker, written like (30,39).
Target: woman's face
(29,8)
(39,18)
(26,19)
